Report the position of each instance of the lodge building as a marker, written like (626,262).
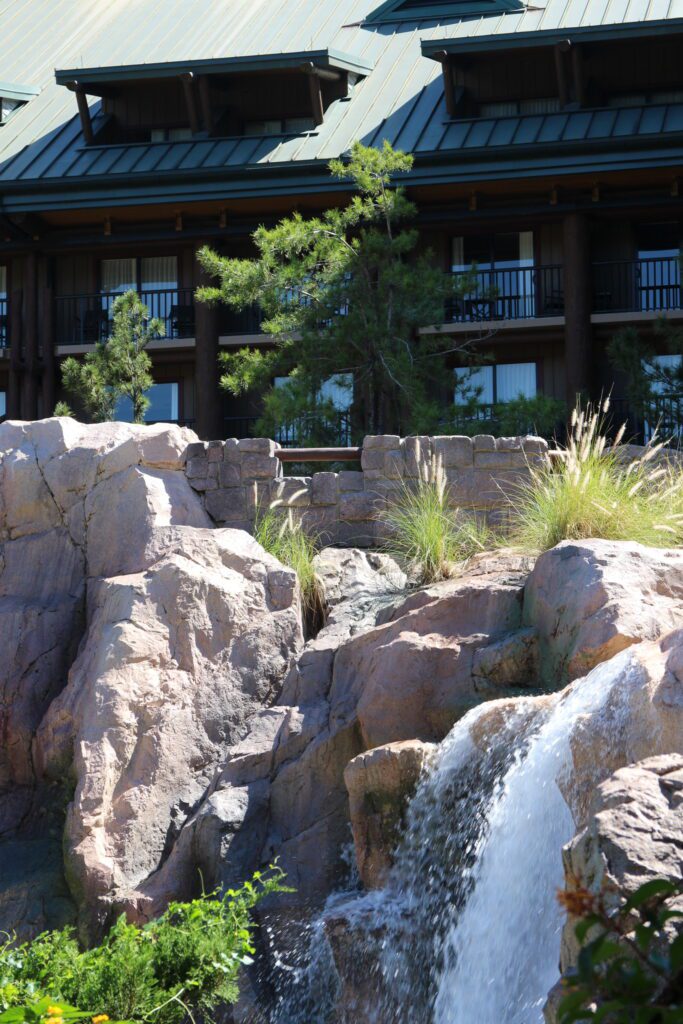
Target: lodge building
(548,146)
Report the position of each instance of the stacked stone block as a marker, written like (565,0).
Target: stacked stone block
(239,477)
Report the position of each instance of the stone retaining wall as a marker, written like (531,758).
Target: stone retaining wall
(237,477)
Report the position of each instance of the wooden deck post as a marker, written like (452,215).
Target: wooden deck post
(577,305)
(208,397)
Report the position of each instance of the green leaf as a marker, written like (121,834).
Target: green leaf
(656,888)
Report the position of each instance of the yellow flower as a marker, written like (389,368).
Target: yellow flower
(54,1011)
(101,1018)
(54,1020)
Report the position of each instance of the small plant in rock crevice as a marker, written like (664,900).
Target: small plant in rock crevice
(282,535)
(184,963)
(595,490)
(426,536)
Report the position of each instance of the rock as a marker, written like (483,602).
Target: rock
(634,834)
(182,633)
(590,599)
(380,783)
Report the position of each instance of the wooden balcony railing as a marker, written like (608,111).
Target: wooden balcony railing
(649,285)
(4,321)
(87,319)
(518,293)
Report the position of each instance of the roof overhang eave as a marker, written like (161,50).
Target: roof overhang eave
(462,45)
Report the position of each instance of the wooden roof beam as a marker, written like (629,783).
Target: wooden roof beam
(83,111)
(559,51)
(315,80)
(448,83)
(205,102)
(190,101)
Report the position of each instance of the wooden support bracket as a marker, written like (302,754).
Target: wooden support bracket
(190,101)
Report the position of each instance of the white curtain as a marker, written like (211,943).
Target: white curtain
(515,379)
(118,275)
(159,272)
(470,380)
(458,254)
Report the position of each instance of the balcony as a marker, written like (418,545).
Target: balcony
(651,285)
(233,324)
(518,293)
(4,321)
(87,319)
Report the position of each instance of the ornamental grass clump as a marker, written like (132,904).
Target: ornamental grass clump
(427,537)
(283,536)
(595,489)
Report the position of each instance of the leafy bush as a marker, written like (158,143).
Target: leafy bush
(283,536)
(427,536)
(630,967)
(188,960)
(595,491)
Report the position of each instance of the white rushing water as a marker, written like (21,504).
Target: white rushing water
(467,930)
(501,954)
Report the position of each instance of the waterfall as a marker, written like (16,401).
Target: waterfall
(467,930)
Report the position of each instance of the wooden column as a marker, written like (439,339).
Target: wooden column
(14,388)
(48,347)
(29,405)
(577,307)
(208,397)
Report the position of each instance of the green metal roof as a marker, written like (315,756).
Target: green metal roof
(45,164)
(12,91)
(216,66)
(549,37)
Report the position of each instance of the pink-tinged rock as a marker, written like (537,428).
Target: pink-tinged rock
(380,783)
(590,599)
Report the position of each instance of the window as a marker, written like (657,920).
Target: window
(3,404)
(500,382)
(170,134)
(155,278)
(337,389)
(506,283)
(658,272)
(7,108)
(163,405)
(4,325)
(284,126)
(509,108)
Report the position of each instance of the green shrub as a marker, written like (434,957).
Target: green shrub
(283,536)
(596,490)
(539,415)
(186,961)
(630,965)
(426,536)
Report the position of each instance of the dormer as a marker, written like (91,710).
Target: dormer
(270,94)
(12,97)
(440,10)
(545,71)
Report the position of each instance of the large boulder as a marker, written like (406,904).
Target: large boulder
(139,642)
(589,600)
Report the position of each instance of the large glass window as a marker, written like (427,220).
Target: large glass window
(155,278)
(162,408)
(505,261)
(499,382)
(658,274)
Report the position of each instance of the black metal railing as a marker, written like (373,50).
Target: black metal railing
(87,319)
(246,321)
(649,285)
(329,430)
(517,293)
(4,321)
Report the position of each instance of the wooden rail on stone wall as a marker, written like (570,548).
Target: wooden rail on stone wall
(318,454)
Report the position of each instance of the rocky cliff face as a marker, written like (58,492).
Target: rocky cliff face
(138,641)
(161,715)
